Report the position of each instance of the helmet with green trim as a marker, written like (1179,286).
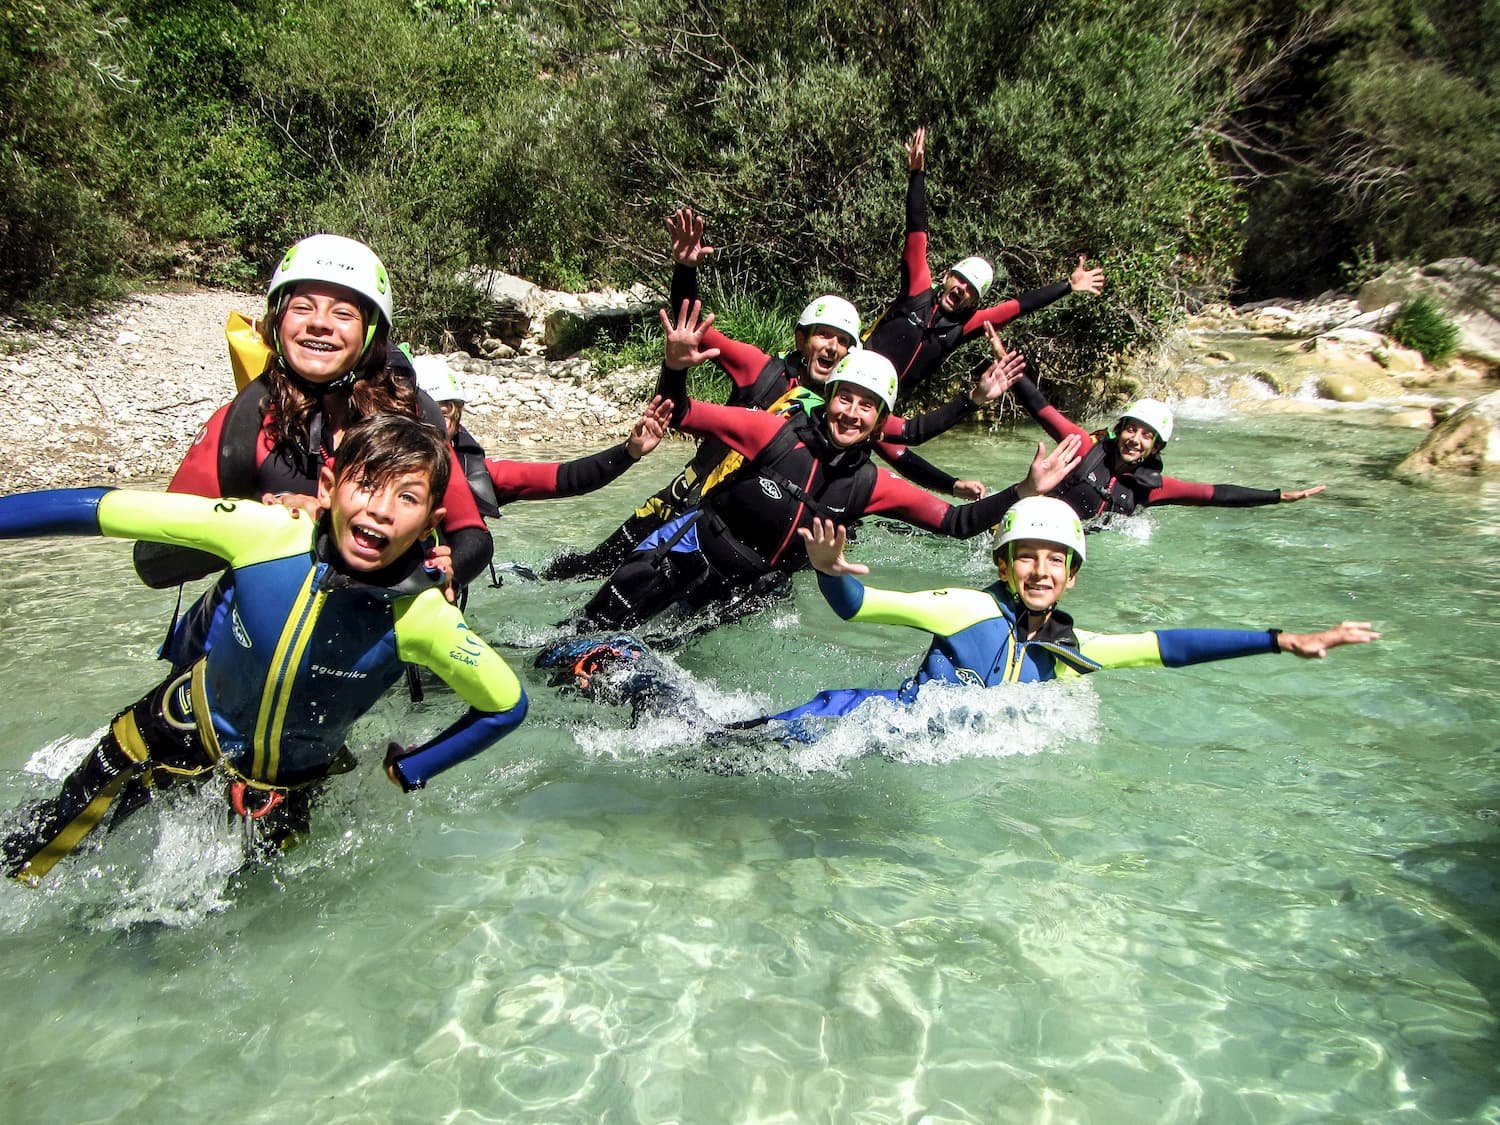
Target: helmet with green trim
(340,261)
(870,371)
(1149,412)
(833,312)
(1043,518)
(437,379)
(977,272)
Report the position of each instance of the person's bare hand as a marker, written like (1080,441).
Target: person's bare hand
(916,150)
(825,548)
(1048,470)
(684,336)
(1085,280)
(649,429)
(1315,646)
(686,229)
(297,503)
(439,557)
(969,489)
(1292,495)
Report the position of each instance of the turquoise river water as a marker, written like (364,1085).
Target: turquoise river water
(1257,891)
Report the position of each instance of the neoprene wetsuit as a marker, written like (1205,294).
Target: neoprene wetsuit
(976,641)
(759,382)
(1098,487)
(219,464)
(913,331)
(746,529)
(299,650)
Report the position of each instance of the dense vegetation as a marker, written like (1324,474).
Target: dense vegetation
(1192,148)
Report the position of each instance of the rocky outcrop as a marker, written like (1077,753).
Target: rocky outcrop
(1468,441)
(1467,291)
(522,319)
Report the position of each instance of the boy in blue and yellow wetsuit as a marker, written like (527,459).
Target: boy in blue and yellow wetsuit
(321,619)
(1012,631)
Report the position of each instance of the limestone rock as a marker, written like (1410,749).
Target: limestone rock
(1466,290)
(1342,388)
(1466,442)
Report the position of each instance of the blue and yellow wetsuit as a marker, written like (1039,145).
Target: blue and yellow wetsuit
(977,641)
(299,652)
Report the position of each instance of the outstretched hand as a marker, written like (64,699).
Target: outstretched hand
(648,431)
(999,376)
(916,150)
(825,548)
(686,229)
(1085,280)
(1315,646)
(1048,470)
(969,489)
(684,336)
(1292,495)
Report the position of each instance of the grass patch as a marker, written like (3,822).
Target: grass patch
(1423,326)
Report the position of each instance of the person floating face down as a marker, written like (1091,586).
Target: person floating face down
(1121,471)
(796,468)
(1012,631)
(321,617)
(927,322)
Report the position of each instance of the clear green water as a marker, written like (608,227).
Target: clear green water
(1259,891)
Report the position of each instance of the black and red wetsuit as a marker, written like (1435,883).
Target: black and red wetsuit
(267,467)
(913,331)
(746,529)
(1102,486)
(759,381)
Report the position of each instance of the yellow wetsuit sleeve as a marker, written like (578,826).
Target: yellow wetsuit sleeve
(1123,650)
(433,633)
(239,531)
(943,612)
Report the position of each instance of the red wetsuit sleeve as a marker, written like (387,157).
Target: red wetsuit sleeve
(904,501)
(1174,491)
(522,480)
(551,480)
(461,511)
(895,497)
(199,472)
(915,275)
(741,362)
(1006,311)
(747,432)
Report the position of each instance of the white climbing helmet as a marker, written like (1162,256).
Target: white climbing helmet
(437,379)
(870,371)
(834,312)
(1150,412)
(977,272)
(339,260)
(1044,518)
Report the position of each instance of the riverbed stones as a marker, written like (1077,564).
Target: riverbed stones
(1468,441)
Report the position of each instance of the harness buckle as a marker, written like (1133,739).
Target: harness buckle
(237,791)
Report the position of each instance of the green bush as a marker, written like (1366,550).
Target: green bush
(1422,325)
